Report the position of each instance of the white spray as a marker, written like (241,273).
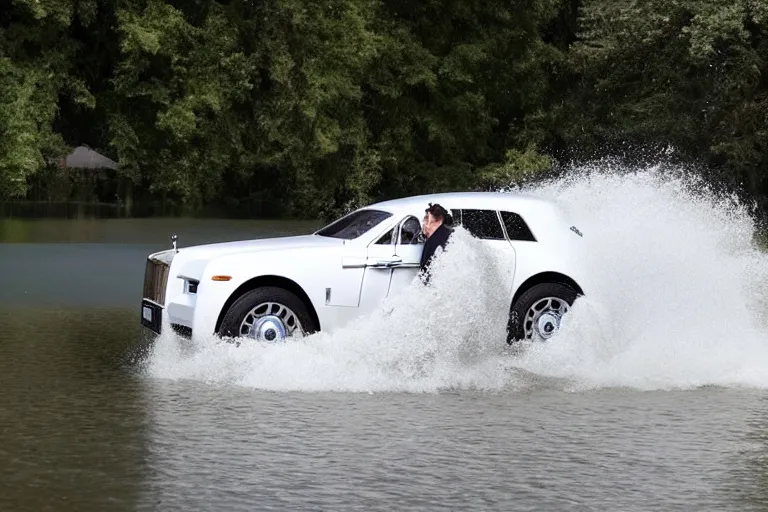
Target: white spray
(676,269)
(685,286)
(449,334)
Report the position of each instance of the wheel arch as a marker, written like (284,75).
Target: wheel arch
(545,277)
(268,280)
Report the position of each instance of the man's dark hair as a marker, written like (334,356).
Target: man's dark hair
(439,213)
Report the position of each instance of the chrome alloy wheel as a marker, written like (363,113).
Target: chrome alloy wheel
(271,321)
(543,319)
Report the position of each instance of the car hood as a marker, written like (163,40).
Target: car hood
(258,245)
(191,261)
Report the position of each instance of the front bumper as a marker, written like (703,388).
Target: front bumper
(152,318)
(157,307)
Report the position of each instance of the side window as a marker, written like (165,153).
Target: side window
(482,224)
(516,227)
(354,224)
(386,239)
(410,231)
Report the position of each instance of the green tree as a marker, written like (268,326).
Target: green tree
(686,73)
(35,69)
(454,87)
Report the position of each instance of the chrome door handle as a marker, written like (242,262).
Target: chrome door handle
(385,262)
(353,262)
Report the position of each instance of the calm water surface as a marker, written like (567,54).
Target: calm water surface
(81,428)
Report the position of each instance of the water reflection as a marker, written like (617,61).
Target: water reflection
(75,415)
(74,427)
(748,485)
(98,262)
(59,209)
(82,429)
(145,231)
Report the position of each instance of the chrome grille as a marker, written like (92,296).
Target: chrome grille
(155,279)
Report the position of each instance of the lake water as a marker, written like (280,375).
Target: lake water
(668,413)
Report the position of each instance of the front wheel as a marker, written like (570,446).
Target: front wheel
(267,314)
(538,313)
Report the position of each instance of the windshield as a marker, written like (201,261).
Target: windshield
(355,224)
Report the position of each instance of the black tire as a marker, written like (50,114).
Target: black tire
(230,325)
(517,314)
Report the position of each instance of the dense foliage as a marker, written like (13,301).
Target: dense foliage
(299,107)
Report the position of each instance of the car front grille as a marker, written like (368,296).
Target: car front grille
(155,280)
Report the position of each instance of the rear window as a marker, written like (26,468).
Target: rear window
(355,224)
(482,224)
(516,227)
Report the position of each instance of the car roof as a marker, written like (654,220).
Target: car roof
(519,202)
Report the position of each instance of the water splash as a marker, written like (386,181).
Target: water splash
(684,284)
(677,271)
(447,335)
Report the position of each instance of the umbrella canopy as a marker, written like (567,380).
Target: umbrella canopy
(86,158)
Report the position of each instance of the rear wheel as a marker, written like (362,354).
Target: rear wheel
(538,313)
(267,314)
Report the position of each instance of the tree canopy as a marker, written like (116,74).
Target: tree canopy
(307,108)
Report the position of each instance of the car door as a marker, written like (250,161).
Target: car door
(392,262)
(377,271)
(408,249)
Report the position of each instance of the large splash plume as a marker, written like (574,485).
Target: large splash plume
(449,334)
(678,273)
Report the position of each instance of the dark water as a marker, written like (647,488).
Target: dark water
(82,428)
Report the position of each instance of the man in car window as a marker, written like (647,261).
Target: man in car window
(435,228)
